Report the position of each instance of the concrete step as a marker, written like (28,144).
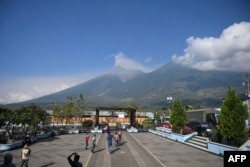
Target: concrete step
(198,143)
(198,140)
(197,146)
(202,138)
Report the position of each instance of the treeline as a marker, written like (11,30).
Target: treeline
(33,115)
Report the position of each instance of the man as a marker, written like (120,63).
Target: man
(109,142)
(25,156)
(93,143)
(8,161)
(76,162)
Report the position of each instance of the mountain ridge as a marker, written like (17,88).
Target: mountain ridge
(121,86)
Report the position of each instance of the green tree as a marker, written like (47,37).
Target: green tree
(69,110)
(157,116)
(188,107)
(80,105)
(178,117)
(147,123)
(232,125)
(8,119)
(87,123)
(165,111)
(57,113)
(31,115)
(74,108)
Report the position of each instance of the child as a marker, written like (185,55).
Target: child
(87,141)
(25,155)
(116,136)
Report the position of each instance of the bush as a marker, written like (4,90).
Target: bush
(87,123)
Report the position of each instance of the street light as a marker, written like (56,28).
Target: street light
(246,83)
(169,99)
(248,92)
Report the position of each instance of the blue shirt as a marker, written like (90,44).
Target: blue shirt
(109,138)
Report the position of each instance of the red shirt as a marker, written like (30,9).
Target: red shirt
(87,138)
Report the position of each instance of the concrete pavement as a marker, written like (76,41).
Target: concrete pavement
(137,150)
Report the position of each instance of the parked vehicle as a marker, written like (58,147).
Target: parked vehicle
(202,128)
(209,115)
(187,130)
(164,124)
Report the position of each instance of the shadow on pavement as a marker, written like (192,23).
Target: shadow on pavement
(122,143)
(99,150)
(115,150)
(48,164)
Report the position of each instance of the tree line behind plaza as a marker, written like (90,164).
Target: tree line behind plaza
(33,118)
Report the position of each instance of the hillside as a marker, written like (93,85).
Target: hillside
(120,87)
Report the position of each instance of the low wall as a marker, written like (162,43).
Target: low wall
(215,148)
(219,149)
(96,131)
(5,147)
(132,130)
(166,132)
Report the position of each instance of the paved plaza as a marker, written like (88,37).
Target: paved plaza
(136,150)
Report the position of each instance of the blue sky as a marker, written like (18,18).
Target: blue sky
(50,45)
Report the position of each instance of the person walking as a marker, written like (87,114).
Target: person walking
(8,161)
(116,136)
(109,142)
(75,162)
(86,141)
(93,143)
(120,136)
(25,156)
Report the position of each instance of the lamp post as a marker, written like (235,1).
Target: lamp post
(169,99)
(246,83)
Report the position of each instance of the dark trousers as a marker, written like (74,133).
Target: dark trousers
(25,162)
(93,147)
(87,144)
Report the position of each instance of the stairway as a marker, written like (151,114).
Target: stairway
(198,142)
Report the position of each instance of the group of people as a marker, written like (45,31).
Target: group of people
(25,157)
(26,151)
(117,137)
(93,142)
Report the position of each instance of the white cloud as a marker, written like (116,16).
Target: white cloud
(26,88)
(22,89)
(123,61)
(230,52)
